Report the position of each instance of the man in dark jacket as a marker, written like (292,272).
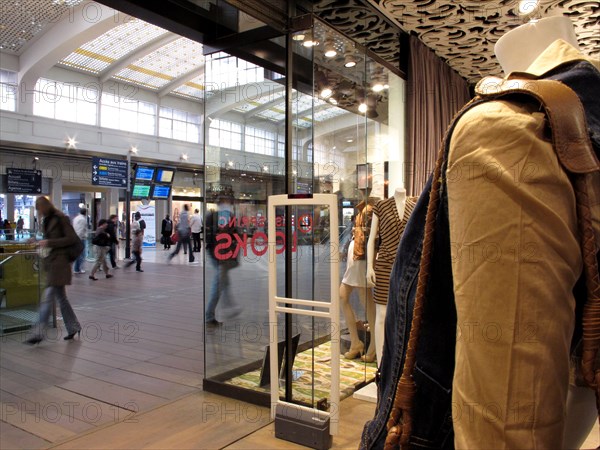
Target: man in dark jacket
(59,235)
(111,228)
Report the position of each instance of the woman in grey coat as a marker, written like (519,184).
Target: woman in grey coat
(59,235)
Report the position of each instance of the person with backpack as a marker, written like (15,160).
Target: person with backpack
(166,230)
(59,248)
(102,243)
(183,231)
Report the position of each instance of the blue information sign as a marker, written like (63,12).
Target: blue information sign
(109,172)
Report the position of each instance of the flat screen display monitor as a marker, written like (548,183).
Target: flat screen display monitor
(144,173)
(140,191)
(164,175)
(161,191)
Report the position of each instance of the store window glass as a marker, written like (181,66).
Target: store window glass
(346,129)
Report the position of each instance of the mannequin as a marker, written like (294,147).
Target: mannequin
(516,51)
(396,223)
(535,47)
(354,278)
(519,48)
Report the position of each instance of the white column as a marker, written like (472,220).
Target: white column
(397,128)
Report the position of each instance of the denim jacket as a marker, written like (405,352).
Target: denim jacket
(434,370)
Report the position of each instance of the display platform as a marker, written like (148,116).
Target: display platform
(353,373)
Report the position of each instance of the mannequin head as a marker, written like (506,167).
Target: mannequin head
(399,191)
(519,48)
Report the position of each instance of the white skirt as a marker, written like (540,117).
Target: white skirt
(356,270)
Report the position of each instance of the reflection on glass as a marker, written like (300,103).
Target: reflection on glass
(346,140)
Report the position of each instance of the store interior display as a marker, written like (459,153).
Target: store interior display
(390,217)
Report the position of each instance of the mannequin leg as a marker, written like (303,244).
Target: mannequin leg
(371,355)
(581,416)
(356,346)
(380,311)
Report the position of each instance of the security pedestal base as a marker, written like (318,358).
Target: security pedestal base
(302,427)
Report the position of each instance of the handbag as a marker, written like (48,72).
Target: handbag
(175,237)
(162,240)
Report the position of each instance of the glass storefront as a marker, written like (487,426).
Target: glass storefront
(345,131)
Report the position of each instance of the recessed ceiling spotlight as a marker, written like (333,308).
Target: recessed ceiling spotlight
(378,87)
(330,50)
(133,149)
(298,36)
(326,92)
(349,61)
(528,7)
(362,108)
(349,140)
(71,142)
(184,157)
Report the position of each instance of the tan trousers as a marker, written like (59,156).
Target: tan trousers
(515,260)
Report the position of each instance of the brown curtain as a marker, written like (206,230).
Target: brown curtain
(435,93)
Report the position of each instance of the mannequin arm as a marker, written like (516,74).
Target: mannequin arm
(371,249)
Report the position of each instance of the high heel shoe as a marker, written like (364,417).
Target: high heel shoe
(354,353)
(368,358)
(34,340)
(69,337)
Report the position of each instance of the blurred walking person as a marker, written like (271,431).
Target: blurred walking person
(183,231)
(102,243)
(196,228)
(166,230)
(59,237)
(80,226)
(111,229)
(20,224)
(136,248)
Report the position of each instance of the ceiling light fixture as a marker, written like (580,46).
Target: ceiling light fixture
(133,149)
(326,92)
(528,7)
(362,108)
(330,50)
(309,41)
(378,87)
(529,10)
(184,157)
(299,36)
(71,142)
(349,140)
(349,61)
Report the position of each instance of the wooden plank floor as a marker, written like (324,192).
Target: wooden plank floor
(133,379)
(141,347)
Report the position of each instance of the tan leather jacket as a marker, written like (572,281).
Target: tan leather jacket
(362,227)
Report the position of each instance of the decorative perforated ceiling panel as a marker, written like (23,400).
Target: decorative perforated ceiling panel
(464,32)
(22,21)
